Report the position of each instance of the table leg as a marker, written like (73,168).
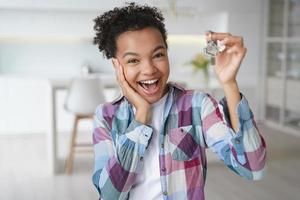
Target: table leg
(51,136)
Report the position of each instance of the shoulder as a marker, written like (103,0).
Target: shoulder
(188,97)
(105,112)
(110,107)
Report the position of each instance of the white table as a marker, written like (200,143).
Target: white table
(56,84)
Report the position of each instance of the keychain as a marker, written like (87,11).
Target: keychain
(213,48)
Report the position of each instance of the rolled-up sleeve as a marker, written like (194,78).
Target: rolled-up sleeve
(117,156)
(244,152)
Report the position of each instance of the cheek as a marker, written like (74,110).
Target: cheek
(165,69)
(131,76)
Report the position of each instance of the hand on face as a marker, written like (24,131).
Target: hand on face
(228,61)
(141,105)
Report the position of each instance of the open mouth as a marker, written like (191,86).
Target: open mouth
(149,86)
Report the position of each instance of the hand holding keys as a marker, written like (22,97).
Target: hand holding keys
(226,52)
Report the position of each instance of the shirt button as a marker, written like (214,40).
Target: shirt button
(237,141)
(165,193)
(163,169)
(181,130)
(162,145)
(141,158)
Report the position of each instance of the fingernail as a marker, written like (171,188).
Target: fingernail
(207,32)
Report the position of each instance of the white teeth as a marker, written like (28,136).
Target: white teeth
(149,81)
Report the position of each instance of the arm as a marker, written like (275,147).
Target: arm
(227,65)
(233,97)
(229,128)
(244,152)
(117,159)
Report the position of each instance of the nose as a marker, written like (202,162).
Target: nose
(148,68)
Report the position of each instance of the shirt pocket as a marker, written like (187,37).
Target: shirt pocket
(183,145)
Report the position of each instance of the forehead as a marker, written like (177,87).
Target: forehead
(139,41)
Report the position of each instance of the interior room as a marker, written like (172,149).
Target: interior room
(49,67)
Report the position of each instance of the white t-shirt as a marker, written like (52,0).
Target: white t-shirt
(147,185)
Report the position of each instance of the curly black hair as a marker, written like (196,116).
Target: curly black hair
(111,24)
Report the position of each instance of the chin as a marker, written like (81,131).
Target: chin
(153,99)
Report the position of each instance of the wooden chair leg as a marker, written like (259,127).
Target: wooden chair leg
(69,166)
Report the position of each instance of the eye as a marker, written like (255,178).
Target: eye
(133,61)
(158,55)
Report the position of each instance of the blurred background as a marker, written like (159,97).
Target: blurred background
(50,70)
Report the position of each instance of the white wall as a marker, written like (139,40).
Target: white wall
(22,105)
(53,38)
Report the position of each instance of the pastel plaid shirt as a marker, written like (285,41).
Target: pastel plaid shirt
(192,122)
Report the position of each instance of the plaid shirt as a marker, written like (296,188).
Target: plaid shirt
(192,122)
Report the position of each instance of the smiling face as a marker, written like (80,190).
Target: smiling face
(144,57)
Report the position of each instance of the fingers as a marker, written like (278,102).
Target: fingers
(232,40)
(237,49)
(119,70)
(226,38)
(118,73)
(115,62)
(121,77)
(116,66)
(210,35)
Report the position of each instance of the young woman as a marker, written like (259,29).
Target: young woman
(150,142)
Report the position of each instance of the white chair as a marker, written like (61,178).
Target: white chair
(84,95)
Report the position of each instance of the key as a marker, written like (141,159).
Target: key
(213,48)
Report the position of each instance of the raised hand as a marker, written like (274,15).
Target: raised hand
(228,61)
(141,105)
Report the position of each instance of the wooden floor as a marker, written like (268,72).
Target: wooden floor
(23,174)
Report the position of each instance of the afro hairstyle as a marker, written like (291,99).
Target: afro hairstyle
(113,23)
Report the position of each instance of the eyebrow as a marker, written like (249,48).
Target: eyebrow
(136,54)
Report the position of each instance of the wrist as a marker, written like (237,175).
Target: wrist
(231,89)
(142,115)
(230,84)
